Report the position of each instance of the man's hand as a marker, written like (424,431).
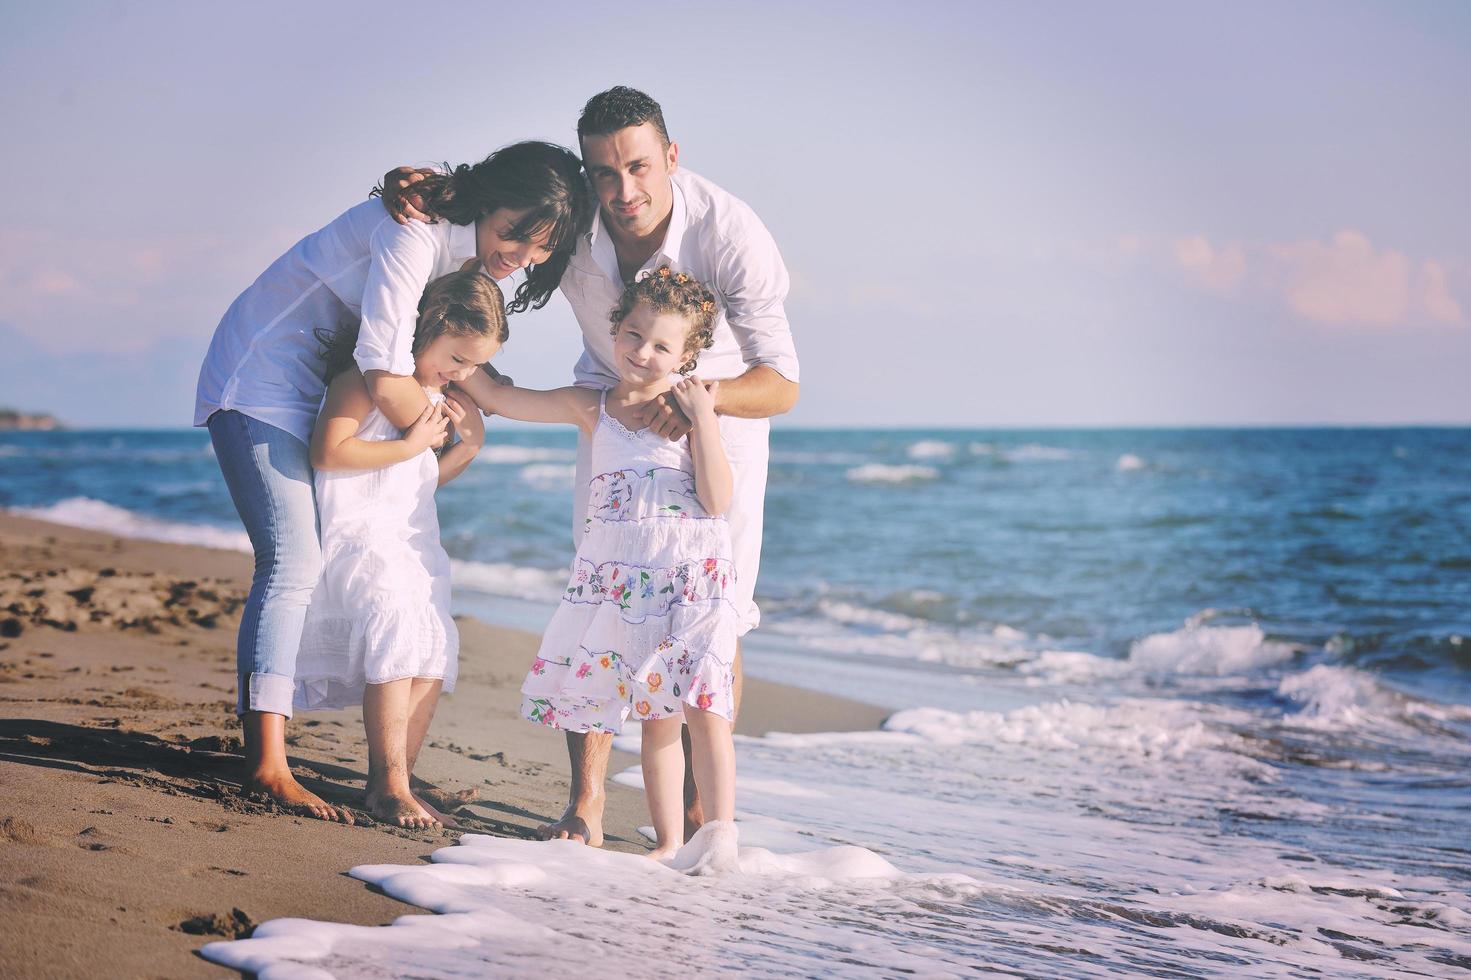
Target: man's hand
(401,203)
(664,417)
(465,417)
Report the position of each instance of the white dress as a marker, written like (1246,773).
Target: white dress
(380,611)
(647,623)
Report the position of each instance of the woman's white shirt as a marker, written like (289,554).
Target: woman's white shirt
(265,360)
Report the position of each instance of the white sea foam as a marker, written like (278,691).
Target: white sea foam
(500,578)
(1033,453)
(1071,667)
(930,449)
(794,457)
(1128,462)
(520,455)
(98,515)
(1217,651)
(1138,727)
(552,476)
(885,473)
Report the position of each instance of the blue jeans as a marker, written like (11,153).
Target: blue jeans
(269,473)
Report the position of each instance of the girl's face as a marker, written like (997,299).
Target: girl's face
(649,346)
(500,254)
(450,358)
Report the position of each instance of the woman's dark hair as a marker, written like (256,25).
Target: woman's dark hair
(667,291)
(461,304)
(541,179)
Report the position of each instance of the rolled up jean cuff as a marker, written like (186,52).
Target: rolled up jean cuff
(265,692)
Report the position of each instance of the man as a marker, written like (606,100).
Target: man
(652,213)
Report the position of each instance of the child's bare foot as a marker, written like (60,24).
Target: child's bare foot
(583,824)
(435,814)
(285,790)
(664,853)
(398,808)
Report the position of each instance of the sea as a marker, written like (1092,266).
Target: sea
(1164,703)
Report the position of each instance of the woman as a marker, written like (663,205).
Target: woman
(261,384)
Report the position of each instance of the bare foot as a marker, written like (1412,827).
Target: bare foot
(435,814)
(285,790)
(664,853)
(581,824)
(399,809)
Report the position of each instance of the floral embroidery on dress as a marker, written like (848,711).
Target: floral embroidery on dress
(646,624)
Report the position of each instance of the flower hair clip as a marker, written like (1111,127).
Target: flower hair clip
(707,307)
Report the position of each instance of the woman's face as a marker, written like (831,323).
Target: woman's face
(500,254)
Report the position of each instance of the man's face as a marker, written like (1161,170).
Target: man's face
(630,171)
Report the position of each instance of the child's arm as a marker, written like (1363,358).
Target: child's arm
(470,427)
(335,445)
(575,406)
(713,483)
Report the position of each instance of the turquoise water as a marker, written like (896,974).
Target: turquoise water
(1170,701)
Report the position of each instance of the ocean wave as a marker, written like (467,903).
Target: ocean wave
(1128,462)
(791,457)
(930,449)
(98,515)
(1142,728)
(1034,453)
(552,476)
(1335,698)
(520,455)
(1217,651)
(885,473)
(504,579)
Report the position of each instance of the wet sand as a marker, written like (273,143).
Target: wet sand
(125,841)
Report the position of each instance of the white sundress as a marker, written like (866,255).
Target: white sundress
(646,624)
(380,611)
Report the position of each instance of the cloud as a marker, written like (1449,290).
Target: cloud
(1217,268)
(1345,281)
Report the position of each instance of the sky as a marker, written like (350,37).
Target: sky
(994,214)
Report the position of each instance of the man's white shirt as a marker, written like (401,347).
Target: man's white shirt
(718,239)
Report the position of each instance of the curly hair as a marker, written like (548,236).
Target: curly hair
(667,291)
(618,108)
(461,304)
(541,179)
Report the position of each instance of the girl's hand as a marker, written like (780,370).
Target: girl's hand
(696,399)
(429,430)
(469,426)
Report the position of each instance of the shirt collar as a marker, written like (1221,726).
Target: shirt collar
(462,244)
(601,244)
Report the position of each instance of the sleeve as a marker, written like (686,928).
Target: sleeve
(400,263)
(589,372)
(752,280)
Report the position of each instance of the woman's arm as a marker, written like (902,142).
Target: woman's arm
(575,406)
(401,261)
(713,482)
(470,427)
(335,445)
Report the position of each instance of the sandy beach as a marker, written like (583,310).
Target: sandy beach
(125,843)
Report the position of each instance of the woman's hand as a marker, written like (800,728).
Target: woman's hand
(696,399)
(466,419)
(428,431)
(401,202)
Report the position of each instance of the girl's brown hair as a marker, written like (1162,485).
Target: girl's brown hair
(667,291)
(461,304)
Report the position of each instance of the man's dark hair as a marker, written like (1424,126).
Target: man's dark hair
(618,108)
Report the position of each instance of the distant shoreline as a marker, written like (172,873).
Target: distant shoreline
(12,420)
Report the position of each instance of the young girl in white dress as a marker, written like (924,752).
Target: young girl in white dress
(646,628)
(378,631)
